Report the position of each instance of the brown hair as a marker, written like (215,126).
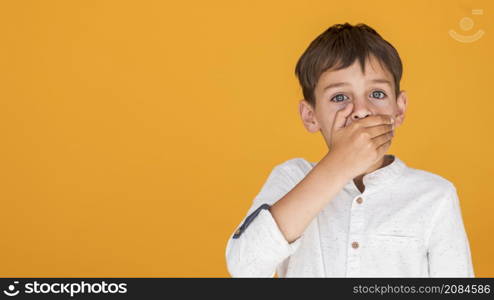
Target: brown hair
(338,47)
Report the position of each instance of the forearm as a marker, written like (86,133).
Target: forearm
(294,212)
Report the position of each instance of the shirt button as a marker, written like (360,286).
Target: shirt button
(359,200)
(354,245)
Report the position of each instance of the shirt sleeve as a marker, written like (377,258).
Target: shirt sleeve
(448,247)
(258,246)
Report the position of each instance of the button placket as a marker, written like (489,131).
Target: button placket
(354,238)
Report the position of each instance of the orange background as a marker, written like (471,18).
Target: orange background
(135,134)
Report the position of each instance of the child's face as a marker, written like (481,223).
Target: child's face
(371,93)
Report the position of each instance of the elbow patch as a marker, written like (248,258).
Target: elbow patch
(249,219)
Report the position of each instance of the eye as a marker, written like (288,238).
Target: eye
(339,98)
(378,94)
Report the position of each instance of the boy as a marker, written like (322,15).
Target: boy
(358,212)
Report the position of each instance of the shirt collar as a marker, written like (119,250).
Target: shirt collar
(379,178)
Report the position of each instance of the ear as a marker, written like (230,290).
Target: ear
(308,116)
(401,102)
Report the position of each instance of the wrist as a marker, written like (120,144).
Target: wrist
(338,166)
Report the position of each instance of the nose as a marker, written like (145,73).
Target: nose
(357,116)
(360,111)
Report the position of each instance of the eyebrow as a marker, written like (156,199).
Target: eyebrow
(379,80)
(338,84)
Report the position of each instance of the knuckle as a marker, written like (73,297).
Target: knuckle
(364,134)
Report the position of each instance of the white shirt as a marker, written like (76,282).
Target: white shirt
(408,223)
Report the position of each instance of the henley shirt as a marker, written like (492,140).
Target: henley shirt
(406,223)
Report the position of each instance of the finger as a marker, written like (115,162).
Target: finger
(382,139)
(375,120)
(341,115)
(384,147)
(377,130)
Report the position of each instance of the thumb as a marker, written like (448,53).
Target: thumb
(341,115)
